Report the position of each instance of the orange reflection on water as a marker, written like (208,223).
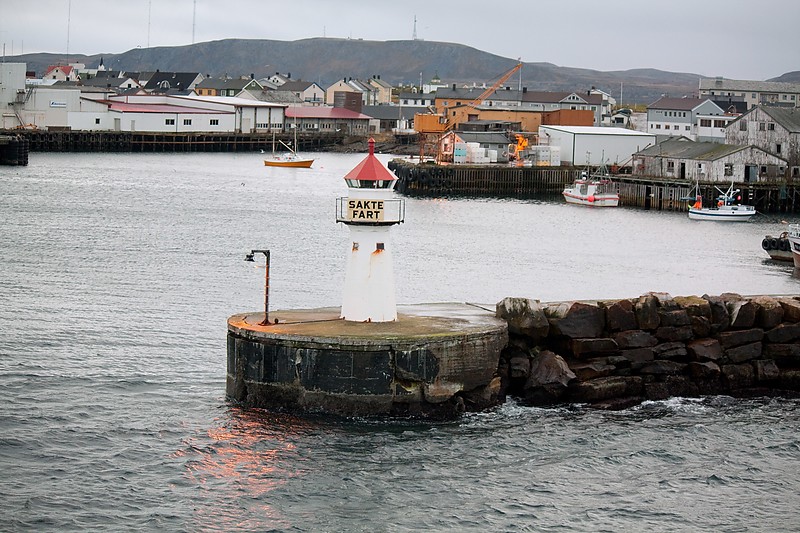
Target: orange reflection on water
(249,455)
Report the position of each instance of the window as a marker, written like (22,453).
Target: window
(688,128)
(170,122)
(658,126)
(666,126)
(771,126)
(379,246)
(742,125)
(719,123)
(187,122)
(705,123)
(214,122)
(762,126)
(97,121)
(778,148)
(670,166)
(729,169)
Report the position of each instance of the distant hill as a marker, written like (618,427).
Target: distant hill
(789,77)
(326,60)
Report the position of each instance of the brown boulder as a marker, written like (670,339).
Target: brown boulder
(705,350)
(791,309)
(576,320)
(783,333)
(620,316)
(694,306)
(634,339)
(770,312)
(524,317)
(743,313)
(646,310)
(605,388)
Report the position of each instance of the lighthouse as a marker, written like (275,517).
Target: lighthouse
(369,210)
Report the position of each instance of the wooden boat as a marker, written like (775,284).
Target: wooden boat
(290,158)
(725,210)
(594,190)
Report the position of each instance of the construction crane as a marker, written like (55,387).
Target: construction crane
(490,91)
(431,127)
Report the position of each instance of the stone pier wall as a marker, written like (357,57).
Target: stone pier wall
(615,354)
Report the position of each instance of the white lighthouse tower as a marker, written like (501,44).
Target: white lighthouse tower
(370,211)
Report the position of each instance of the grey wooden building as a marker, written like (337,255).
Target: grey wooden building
(708,162)
(773,129)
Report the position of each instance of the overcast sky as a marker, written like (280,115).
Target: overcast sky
(753,39)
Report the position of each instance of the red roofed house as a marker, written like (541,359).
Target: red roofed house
(61,73)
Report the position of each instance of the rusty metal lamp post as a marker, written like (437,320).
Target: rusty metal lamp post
(250,257)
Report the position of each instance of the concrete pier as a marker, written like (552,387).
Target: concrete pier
(435,360)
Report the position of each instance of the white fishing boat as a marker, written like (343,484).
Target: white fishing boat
(594,190)
(725,210)
(794,241)
(778,246)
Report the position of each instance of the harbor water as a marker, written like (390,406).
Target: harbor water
(117,275)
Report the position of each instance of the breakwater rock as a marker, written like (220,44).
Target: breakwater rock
(615,354)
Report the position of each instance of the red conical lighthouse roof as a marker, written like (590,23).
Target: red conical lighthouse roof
(370,169)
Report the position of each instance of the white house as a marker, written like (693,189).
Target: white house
(679,117)
(252,116)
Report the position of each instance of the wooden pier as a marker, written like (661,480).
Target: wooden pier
(774,196)
(97,141)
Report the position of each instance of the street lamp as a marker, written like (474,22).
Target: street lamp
(251,257)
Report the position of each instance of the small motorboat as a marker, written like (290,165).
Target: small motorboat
(594,190)
(779,248)
(725,210)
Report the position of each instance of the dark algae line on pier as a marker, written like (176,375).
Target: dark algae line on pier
(548,182)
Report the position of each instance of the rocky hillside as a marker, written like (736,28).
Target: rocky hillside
(326,60)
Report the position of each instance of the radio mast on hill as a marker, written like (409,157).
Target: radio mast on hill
(414,35)
(194,15)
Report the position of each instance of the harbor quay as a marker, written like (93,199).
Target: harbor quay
(431,180)
(440,360)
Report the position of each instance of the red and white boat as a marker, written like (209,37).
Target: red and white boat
(597,191)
